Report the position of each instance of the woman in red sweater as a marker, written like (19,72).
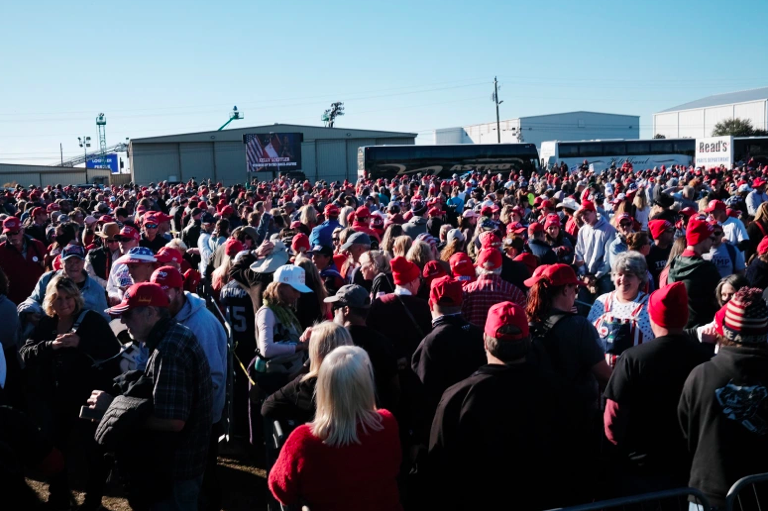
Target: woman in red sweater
(349,456)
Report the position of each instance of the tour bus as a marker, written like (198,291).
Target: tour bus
(389,161)
(747,148)
(601,154)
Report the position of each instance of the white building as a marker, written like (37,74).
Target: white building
(697,119)
(538,128)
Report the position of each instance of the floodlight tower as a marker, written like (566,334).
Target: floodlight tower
(101,123)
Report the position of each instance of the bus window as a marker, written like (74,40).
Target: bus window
(590,149)
(687,147)
(569,150)
(614,149)
(662,147)
(638,148)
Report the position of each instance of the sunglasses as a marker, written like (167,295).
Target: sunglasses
(150,226)
(626,224)
(335,240)
(14,233)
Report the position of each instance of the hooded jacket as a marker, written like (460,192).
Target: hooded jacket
(700,278)
(415,226)
(722,414)
(592,247)
(212,338)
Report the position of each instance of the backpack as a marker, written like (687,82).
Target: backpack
(545,345)
(619,334)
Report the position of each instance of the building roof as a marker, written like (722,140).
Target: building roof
(577,112)
(237,133)
(742,96)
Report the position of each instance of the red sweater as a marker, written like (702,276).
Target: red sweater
(353,477)
(23,273)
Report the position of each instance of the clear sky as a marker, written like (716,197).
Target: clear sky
(165,67)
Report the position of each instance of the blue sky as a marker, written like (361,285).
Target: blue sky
(168,67)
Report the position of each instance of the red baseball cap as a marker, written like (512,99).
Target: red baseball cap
(689,211)
(588,206)
(490,239)
(446,292)
(461,265)
(168,255)
(300,241)
(433,270)
(535,228)
(561,275)
(143,294)
(11,224)
(547,204)
(53,207)
(129,233)
(362,212)
(657,227)
(227,210)
(515,228)
(715,205)
(551,220)
(233,247)
(331,210)
(489,259)
(506,314)
(537,275)
(486,211)
(167,277)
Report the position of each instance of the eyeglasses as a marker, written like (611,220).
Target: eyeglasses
(150,226)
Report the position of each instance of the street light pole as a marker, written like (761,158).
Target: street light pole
(495,99)
(85,143)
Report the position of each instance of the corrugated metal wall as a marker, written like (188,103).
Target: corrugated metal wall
(666,124)
(755,111)
(154,162)
(691,124)
(196,161)
(309,161)
(229,158)
(331,159)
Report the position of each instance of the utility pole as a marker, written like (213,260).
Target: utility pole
(61,150)
(495,99)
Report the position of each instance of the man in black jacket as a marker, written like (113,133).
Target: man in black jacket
(699,276)
(642,396)
(722,410)
(495,439)
(451,352)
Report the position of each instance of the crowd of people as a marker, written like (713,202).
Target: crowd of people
(472,341)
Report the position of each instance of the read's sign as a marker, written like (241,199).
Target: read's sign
(715,151)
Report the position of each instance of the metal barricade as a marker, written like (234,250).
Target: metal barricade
(744,494)
(667,500)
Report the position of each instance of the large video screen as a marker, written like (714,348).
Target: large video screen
(273,151)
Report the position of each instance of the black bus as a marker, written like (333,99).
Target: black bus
(388,161)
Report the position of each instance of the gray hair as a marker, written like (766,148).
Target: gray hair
(631,262)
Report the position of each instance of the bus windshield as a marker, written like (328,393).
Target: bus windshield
(389,161)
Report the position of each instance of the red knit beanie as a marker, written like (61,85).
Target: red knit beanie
(697,231)
(404,271)
(668,306)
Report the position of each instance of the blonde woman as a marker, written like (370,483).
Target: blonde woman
(280,352)
(401,246)
(642,209)
(59,359)
(348,457)
(392,232)
(420,254)
(296,401)
(308,216)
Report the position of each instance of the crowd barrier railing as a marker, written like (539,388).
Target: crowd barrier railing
(738,500)
(672,500)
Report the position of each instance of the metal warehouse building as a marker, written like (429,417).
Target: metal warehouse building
(539,128)
(44,175)
(326,153)
(697,119)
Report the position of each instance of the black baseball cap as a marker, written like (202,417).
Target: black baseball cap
(351,295)
(322,250)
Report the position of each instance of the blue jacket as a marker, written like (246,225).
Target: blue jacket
(213,339)
(323,233)
(93,295)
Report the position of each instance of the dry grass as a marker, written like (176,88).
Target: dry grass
(243,483)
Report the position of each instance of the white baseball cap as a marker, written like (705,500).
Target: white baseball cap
(293,276)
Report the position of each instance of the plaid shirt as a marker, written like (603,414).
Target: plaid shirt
(182,391)
(486,291)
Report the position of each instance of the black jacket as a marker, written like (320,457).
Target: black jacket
(700,278)
(500,413)
(757,273)
(453,351)
(542,251)
(295,402)
(723,416)
(101,261)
